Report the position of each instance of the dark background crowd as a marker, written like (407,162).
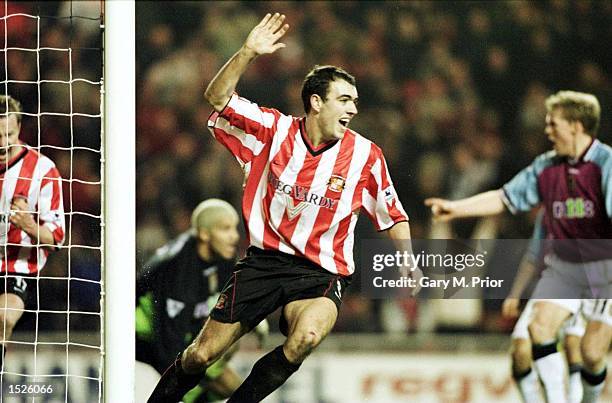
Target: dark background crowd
(453,92)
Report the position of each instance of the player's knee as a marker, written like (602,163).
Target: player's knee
(592,357)
(540,332)
(198,359)
(311,338)
(305,342)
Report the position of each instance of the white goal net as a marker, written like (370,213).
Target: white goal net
(53,63)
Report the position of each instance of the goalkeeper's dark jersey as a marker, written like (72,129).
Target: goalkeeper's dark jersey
(174,294)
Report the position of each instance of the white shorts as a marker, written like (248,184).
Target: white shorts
(573,326)
(598,310)
(568,280)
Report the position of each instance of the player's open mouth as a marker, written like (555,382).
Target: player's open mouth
(344,122)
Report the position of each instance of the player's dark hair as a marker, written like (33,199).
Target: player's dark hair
(318,79)
(13,106)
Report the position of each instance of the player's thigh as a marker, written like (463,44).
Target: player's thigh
(310,318)
(212,342)
(549,315)
(216,337)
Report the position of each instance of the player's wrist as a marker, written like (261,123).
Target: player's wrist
(248,52)
(31,229)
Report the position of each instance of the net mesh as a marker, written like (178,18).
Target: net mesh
(52,56)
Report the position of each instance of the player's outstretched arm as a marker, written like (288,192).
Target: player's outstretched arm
(261,40)
(482,204)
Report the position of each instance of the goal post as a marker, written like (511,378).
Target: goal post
(119,200)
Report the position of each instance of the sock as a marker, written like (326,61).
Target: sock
(174,383)
(528,385)
(575,384)
(551,369)
(267,375)
(592,385)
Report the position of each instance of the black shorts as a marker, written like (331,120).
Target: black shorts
(266,280)
(15,284)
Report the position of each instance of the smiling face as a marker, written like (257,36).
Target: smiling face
(9,136)
(561,133)
(336,110)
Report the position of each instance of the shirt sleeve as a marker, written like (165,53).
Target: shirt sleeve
(521,193)
(244,128)
(379,198)
(51,205)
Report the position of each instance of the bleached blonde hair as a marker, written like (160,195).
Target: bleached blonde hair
(208,212)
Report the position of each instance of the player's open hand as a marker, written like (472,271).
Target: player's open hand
(510,308)
(441,209)
(20,215)
(263,37)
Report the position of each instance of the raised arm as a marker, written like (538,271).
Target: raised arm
(261,40)
(482,204)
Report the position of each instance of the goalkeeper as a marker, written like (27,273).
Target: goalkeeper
(176,290)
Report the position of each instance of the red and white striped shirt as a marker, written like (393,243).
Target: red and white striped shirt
(300,200)
(33,176)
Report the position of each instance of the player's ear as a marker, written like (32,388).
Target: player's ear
(203,235)
(316,102)
(578,126)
